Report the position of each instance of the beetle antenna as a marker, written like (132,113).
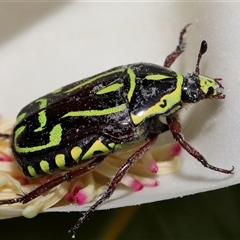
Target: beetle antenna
(202,50)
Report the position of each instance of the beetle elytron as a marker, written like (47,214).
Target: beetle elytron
(86,120)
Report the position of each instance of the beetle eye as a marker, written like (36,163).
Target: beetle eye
(193,95)
(210,92)
(190,95)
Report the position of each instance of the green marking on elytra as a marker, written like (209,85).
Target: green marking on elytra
(55,137)
(90,113)
(94,79)
(132,77)
(96,147)
(57,90)
(75,153)
(21,117)
(112,88)
(156,77)
(60,160)
(42,119)
(32,171)
(43,102)
(44,165)
(19,131)
(111,145)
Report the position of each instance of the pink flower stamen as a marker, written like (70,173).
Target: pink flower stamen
(5,159)
(76,189)
(23,181)
(136,185)
(149,162)
(80,198)
(69,197)
(148,181)
(152,166)
(132,183)
(176,150)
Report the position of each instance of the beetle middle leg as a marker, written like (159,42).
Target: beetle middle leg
(116,179)
(170,59)
(175,128)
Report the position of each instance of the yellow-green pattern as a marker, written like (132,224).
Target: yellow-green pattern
(93,117)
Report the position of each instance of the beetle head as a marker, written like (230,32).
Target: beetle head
(197,87)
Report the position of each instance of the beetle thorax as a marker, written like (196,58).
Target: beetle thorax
(191,90)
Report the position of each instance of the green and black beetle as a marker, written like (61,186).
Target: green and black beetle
(81,123)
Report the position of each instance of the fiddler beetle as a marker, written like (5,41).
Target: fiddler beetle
(78,125)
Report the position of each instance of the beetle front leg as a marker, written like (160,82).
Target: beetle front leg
(175,128)
(170,59)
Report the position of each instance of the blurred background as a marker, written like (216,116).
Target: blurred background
(211,215)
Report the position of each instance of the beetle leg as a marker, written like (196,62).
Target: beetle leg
(69,176)
(170,59)
(5,135)
(116,179)
(175,128)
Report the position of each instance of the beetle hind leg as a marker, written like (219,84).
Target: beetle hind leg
(170,59)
